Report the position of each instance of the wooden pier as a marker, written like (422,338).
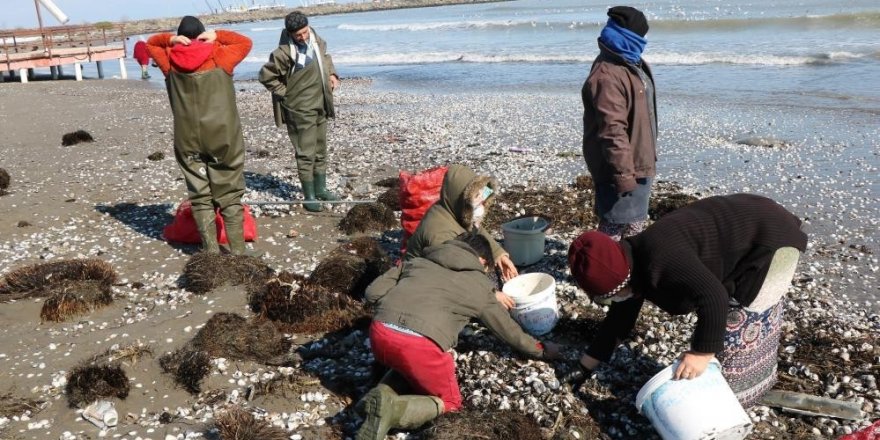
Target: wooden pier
(22,51)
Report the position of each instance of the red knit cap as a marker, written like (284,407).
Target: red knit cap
(598,264)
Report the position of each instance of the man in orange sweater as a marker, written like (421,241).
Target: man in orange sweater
(208,142)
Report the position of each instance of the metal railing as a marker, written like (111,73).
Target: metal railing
(41,42)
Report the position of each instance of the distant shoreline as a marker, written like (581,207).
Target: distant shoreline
(152,25)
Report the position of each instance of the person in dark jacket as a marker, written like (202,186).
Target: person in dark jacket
(620,124)
(301,76)
(208,142)
(420,308)
(729,259)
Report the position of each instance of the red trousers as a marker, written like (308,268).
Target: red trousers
(429,370)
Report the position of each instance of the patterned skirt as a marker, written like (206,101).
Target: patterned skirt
(751,344)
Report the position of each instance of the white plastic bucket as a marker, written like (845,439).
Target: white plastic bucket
(536,310)
(524,239)
(703,408)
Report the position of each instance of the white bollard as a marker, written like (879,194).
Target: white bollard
(23,74)
(123,73)
(77,71)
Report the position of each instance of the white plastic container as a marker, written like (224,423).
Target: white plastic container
(697,409)
(536,309)
(101,413)
(524,239)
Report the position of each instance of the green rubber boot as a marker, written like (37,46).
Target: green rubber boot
(386,410)
(205,222)
(321,188)
(309,193)
(233,218)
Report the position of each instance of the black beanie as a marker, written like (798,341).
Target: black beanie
(630,18)
(190,27)
(295,21)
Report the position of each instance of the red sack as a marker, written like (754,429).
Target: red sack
(418,192)
(870,433)
(183,228)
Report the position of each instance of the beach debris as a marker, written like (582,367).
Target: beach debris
(4,181)
(229,336)
(128,354)
(76,137)
(23,224)
(101,413)
(188,367)
(663,203)
(351,267)
(368,217)
(90,381)
(567,208)
(262,153)
(389,182)
(40,280)
(302,307)
(763,141)
(807,404)
(157,155)
(487,424)
(206,271)
(71,298)
(390,198)
(236,423)
(15,406)
(584,182)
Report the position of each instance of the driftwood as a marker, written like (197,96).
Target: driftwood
(810,405)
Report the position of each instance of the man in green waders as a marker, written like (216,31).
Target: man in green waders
(301,77)
(208,142)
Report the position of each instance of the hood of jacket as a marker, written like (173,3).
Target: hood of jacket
(188,58)
(454,255)
(460,186)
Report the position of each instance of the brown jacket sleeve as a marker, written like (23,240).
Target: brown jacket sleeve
(230,48)
(158,46)
(611,102)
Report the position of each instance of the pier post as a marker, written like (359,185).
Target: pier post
(54,71)
(30,73)
(60,70)
(123,73)
(22,73)
(77,71)
(100,69)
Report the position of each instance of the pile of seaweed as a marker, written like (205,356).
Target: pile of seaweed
(206,271)
(73,287)
(4,182)
(225,335)
(368,217)
(76,137)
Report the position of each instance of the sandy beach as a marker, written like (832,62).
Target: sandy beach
(107,200)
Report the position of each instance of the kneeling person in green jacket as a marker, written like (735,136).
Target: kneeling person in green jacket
(420,308)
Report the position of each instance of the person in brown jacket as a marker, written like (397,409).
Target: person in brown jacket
(420,308)
(620,124)
(208,142)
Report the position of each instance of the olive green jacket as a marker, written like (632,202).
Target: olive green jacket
(438,295)
(275,73)
(452,214)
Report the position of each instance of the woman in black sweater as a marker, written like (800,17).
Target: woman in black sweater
(712,258)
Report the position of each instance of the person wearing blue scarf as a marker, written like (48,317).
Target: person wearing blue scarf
(620,124)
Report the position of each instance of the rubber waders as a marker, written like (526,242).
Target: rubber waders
(233,218)
(321,188)
(205,222)
(309,193)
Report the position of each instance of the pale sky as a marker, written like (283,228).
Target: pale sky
(22,13)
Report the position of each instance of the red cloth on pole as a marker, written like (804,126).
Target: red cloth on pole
(141,54)
(429,370)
